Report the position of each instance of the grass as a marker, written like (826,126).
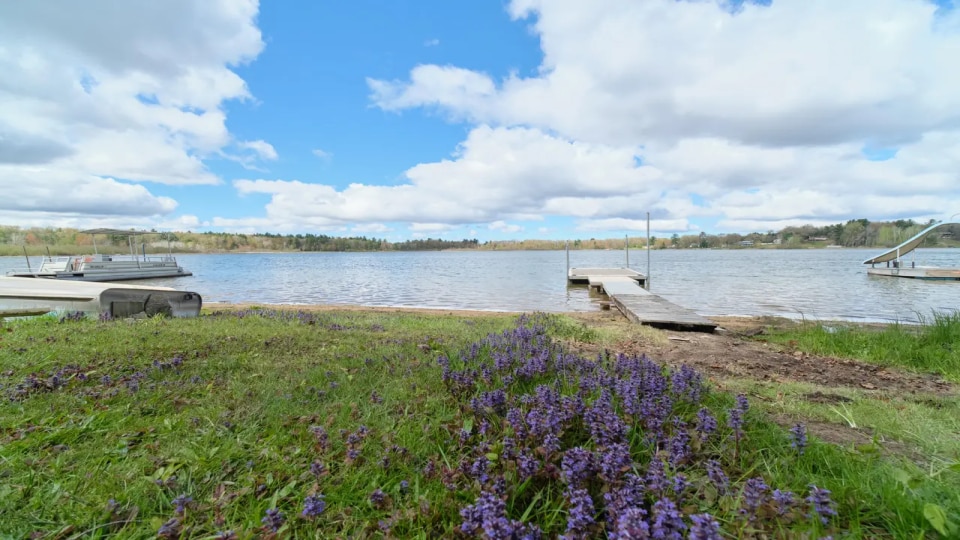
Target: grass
(223,409)
(931,347)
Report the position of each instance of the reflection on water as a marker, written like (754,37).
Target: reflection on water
(818,284)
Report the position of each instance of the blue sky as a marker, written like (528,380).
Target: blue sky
(489,120)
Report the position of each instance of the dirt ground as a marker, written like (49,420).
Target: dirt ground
(733,352)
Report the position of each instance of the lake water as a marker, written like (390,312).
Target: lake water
(816,284)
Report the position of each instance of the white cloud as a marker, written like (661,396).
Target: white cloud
(38,189)
(322,154)
(431,42)
(504,227)
(502,173)
(431,227)
(121,92)
(365,228)
(621,224)
(754,118)
(262,149)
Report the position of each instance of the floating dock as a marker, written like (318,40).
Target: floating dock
(624,287)
(897,267)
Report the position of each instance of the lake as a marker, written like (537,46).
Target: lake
(815,284)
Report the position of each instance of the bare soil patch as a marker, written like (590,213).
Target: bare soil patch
(732,353)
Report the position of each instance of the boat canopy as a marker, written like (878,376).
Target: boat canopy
(908,246)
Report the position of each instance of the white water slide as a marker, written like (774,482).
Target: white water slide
(908,246)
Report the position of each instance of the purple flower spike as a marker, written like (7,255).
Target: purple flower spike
(631,525)
(820,504)
(580,514)
(378,498)
(667,521)
(170,529)
(704,527)
(706,424)
(784,501)
(754,495)
(576,466)
(180,503)
(717,476)
(313,506)
(798,438)
(273,519)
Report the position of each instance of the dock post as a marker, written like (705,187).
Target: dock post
(646,282)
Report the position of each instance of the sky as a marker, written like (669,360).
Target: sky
(484,119)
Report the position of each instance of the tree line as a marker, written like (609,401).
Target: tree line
(853,233)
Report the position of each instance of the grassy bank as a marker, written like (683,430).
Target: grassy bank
(932,347)
(358,424)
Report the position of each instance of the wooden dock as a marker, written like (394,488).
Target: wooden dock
(623,286)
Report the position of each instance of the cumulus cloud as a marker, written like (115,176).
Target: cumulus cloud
(756,116)
(496,174)
(121,91)
(505,227)
(41,190)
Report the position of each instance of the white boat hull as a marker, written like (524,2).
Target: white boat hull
(31,296)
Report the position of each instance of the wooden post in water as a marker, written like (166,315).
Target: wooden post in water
(646,282)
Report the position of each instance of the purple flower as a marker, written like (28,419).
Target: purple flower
(313,506)
(784,501)
(226,535)
(478,470)
(273,519)
(181,502)
(170,529)
(679,446)
(317,468)
(613,462)
(631,525)
(629,495)
(742,404)
(404,486)
(378,498)
(688,383)
(489,516)
(717,476)
(820,504)
(576,466)
(706,424)
(704,527)
(527,465)
(667,521)
(657,482)
(580,514)
(798,438)
(754,495)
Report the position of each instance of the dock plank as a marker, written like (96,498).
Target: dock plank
(641,306)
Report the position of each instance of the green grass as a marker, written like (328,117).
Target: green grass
(231,427)
(931,347)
